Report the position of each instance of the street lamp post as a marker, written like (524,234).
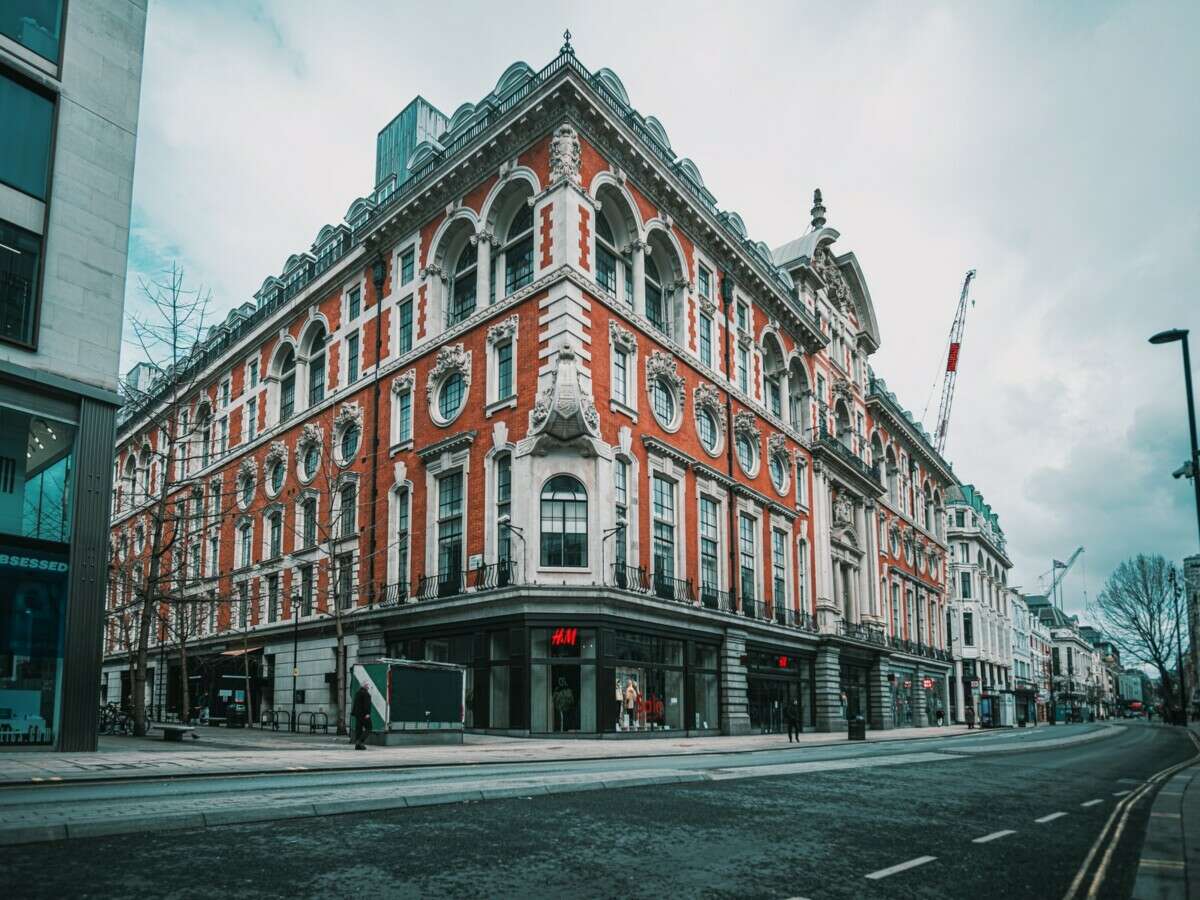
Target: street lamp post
(1170,337)
(295,647)
(1181,335)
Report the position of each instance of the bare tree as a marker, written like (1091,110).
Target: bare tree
(168,335)
(1137,611)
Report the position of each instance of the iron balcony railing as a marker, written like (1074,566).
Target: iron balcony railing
(713,598)
(630,578)
(825,439)
(489,577)
(677,589)
(860,631)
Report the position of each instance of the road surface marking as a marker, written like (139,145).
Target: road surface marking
(1091,802)
(994,836)
(1162,863)
(1166,815)
(1120,793)
(904,866)
(1160,793)
(1050,818)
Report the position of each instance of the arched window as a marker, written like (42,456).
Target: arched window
(611,264)
(316,367)
(462,290)
(799,397)
(518,250)
(842,420)
(130,483)
(773,374)
(564,523)
(287,385)
(656,307)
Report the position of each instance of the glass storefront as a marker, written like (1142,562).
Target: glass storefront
(705,688)
(562,680)
(647,683)
(36,493)
(774,682)
(936,699)
(904,697)
(855,699)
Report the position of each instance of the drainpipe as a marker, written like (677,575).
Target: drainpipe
(378,269)
(726,305)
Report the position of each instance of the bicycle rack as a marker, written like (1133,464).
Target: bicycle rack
(281,716)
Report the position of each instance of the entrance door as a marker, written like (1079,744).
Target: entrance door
(768,698)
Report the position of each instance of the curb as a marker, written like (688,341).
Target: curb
(112,778)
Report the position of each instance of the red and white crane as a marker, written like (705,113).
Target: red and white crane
(956,336)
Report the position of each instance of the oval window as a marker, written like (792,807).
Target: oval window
(349,443)
(662,402)
(276,477)
(708,430)
(450,397)
(778,473)
(311,458)
(745,453)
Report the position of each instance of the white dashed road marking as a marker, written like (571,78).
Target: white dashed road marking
(902,867)
(1120,793)
(1050,818)
(1091,802)
(994,836)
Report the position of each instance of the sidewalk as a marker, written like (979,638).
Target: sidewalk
(226,752)
(1169,867)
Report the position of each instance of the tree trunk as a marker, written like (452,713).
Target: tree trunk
(341,675)
(185,713)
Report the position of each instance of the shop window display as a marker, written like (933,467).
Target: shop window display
(903,689)
(562,687)
(647,683)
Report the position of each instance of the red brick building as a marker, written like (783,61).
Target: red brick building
(540,407)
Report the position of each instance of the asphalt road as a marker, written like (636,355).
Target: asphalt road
(816,834)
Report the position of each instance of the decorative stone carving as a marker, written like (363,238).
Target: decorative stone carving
(661,366)
(777,446)
(309,437)
(707,306)
(843,512)
(705,397)
(277,453)
(744,340)
(621,338)
(504,330)
(405,381)
(248,469)
(566,157)
(745,423)
(433,270)
(841,388)
(484,237)
(450,358)
(564,410)
(836,287)
(348,414)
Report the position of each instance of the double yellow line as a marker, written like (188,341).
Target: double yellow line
(1110,834)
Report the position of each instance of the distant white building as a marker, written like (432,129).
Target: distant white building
(1025,663)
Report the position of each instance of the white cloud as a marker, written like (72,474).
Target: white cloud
(1051,148)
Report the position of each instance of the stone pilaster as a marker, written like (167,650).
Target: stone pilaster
(735,718)
(920,717)
(371,644)
(880,691)
(828,684)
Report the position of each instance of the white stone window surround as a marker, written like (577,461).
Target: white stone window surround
(777,448)
(265,540)
(339,533)
(247,472)
(243,522)
(451,359)
(751,508)
(745,423)
(344,362)
(298,545)
(349,415)
(623,339)
(505,331)
(400,492)
(706,398)
(491,535)
(661,368)
(402,384)
(779,523)
(448,461)
(715,491)
(310,436)
(658,464)
(348,323)
(277,455)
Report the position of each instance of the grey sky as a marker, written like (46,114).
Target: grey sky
(1052,147)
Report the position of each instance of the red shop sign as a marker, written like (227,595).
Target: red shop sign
(564,637)
(783,662)
(927,683)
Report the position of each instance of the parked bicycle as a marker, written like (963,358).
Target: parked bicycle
(114,720)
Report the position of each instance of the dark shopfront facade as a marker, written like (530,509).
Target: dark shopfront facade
(775,678)
(577,675)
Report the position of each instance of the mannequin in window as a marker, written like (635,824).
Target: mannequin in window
(564,699)
(632,695)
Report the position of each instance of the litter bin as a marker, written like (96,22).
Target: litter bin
(857,729)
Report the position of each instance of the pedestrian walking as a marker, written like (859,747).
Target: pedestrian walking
(791,715)
(360,713)
(941,718)
(970,717)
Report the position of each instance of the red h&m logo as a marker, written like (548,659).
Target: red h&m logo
(782,662)
(564,637)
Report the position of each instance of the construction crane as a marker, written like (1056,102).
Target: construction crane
(1059,571)
(956,336)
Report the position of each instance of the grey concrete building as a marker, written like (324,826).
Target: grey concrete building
(70,83)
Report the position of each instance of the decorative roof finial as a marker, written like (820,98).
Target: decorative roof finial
(566,47)
(818,211)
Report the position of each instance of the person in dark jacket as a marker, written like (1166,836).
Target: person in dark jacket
(970,716)
(791,715)
(360,714)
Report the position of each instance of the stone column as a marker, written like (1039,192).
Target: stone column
(920,718)
(824,580)
(880,690)
(958,692)
(828,684)
(874,601)
(735,719)
(637,250)
(483,267)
